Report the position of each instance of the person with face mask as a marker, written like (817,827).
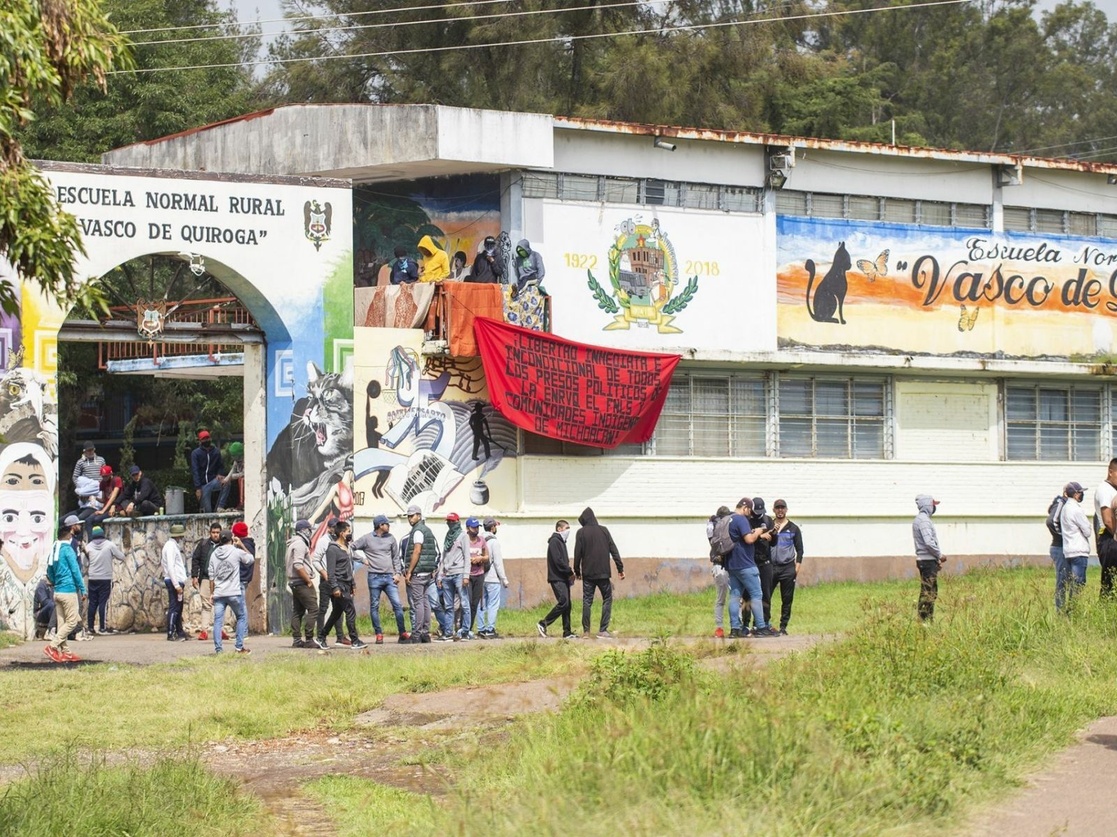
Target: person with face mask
(528,266)
(339,578)
(928,556)
(488,266)
(561,578)
(208,472)
(404,269)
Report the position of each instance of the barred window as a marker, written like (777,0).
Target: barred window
(833,418)
(889,210)
(708,415)
(1053,423)
(593,188)
(1091,224)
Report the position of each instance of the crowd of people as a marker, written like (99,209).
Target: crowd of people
(488,267)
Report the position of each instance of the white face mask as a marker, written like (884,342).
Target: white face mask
(564,534)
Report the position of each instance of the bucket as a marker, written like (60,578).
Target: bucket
(479,493)
(175,500)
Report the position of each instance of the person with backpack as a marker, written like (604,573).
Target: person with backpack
(1054,522)
(787,556)
(1076,533)
(719,522)
(744,577)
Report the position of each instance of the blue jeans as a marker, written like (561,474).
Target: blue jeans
(219,605)
(383,583)
(212,487)
(490,606)
(455,585)
(434,597)
(745,580)
(1070,577)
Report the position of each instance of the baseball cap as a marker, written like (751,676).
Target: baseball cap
(97,532)
(89,446)
(106,470)
(226,536)
(379,521)
(332,523)
(71,520)
(240,529)
(1073,488)
(758,505)
(780,504)
(491,521)
(236,449)
(302,525)
(472,523)
(452,517)
(413,509)
(203,435)
(744,501)
(135,469)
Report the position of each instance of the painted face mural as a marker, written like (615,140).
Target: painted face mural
(26,518)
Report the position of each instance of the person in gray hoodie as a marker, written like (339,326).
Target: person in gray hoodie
(224,572)
(928,556)
(102,552)
(527,265)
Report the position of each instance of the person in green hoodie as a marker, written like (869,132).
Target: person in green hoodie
(64,575)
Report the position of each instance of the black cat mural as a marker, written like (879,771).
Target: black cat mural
(830,296)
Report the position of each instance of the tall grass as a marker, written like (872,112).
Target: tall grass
(74,795)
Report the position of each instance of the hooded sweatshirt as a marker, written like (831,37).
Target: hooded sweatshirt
(455,553)
(298,555)
(1076,530)
(62,569)
(102,552)
(558,561)
(923,530)
(224,569)
(593,546)
(436,264)
(529,268)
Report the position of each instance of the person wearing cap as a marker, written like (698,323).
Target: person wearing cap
(141,497)
(174,578)
(300,578)
(325,600)
(247,571)
(420,567)
(488,265)
(1105,525)
(928,556)
(593,547)
(112,489)
(479,560)
(379,552)
(224,570)
(89,464)
(1077,534)
(787,556)
(494,580)
(453,578)
(744,577)
(102,552)
(207,471)
(339,581)
(762,554)
(64,576)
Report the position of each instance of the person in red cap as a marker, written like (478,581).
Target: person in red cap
(207,470)
(928,557)
(112,487)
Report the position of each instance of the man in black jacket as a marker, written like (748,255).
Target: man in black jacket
(763,556)
(787,556)
(593,547)
(561,578)
(339,578)
(141,497)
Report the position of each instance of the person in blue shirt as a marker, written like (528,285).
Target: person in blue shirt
(404,269)
(744,577)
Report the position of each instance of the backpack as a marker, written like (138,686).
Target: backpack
(721,542)
(1054,515)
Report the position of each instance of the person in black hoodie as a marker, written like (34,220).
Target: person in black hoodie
(763,556)
(561,579)
(593,547)
(339,579)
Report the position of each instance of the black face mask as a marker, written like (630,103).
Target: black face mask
(207,444)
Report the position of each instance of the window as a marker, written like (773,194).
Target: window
(646,191)
(1090,224)
(1052,423)
(713,415)
(889,210)
(833,418)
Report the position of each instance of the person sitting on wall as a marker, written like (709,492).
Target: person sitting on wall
(207,469)
(236,472)
(112,489)
(89,497)
(404,269)
(528,266)
(457,267)
(488,267)
(435,265)
(141,497)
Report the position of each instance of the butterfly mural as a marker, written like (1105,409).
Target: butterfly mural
(967,319)
(874,269)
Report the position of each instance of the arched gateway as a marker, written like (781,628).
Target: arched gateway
(283,247)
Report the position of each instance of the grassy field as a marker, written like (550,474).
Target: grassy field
(895,728)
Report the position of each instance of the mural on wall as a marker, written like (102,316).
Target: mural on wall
(657,278)
(943,290)
(456,212)
(432,436)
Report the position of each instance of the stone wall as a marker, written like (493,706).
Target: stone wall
(139,597)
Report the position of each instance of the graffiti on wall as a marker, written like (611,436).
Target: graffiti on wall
(944,290)
(432,437)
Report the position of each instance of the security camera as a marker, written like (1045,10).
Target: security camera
(663,144)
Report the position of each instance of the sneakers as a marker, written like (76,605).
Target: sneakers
(445,638)
(424,638)
(762,633)
(782,632)
(604,635)
(320,644)
(298,643)
(357,645)
(380,639)
(469,635)
(182,638)
(52,652)
(67,657)
(404,637)
(225,635)
(346,641)
(719,633)
(539,626)
(244,651)
(737,633)
(570,636)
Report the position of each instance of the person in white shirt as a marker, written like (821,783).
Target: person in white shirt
(1104,528)
(1076,532)
(174,576)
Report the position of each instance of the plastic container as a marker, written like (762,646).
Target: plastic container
(175,499)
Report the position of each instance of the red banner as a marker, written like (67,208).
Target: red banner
(570,391)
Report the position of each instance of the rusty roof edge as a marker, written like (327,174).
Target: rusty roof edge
(751,138)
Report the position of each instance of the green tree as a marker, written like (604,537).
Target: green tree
(47,48)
